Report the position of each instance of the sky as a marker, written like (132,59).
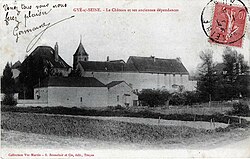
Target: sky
(114,34)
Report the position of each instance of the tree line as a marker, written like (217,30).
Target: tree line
(229,81)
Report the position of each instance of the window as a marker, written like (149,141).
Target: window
(81,99)
(117,98)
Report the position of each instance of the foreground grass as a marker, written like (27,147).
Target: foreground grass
(115,132)
(106,130)
(16,139)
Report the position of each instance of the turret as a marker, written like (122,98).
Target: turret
(80,55)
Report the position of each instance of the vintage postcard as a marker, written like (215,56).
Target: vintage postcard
(125,79)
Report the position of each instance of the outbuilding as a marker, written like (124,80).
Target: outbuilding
(83,92)
(72,91)
(120,93)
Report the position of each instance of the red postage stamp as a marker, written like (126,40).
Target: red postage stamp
(228,25)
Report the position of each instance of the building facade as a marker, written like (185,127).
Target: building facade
(83,92)
(120,93)
(139,72)
(52,62)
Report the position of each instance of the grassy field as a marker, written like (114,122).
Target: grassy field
(17,139)
(107,130)
(122,130)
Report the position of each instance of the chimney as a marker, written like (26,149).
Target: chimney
(107,58)
(56,52)
(153,57)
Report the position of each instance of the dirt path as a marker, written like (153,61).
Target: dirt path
(193,124)
(234,150)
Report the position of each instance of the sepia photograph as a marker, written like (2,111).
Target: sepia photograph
(125,79)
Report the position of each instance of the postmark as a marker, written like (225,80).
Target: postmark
(224,23)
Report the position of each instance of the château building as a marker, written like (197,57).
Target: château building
(139,72)
(51,60)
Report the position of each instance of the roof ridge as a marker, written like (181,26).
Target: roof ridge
(70,82)
(155,57)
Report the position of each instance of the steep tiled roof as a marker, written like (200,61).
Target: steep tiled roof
(47,54)
(157,65)
(80,50)
(113,83)
(137,64)
(70,82)
(99,66)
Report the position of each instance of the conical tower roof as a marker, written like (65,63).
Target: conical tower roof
(80,51)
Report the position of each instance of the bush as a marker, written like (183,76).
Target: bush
(191,97)
(184,98)
(240,109)
(153,97)
(177,99)
(9,100)
(118,107)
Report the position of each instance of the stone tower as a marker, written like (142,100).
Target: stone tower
(80,55)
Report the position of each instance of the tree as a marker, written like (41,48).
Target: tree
(31,73)
(7,81)
(8,99)
(234,76)
(8,86)
(207,79)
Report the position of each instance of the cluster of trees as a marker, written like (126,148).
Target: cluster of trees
(232,82)
(32,71)
(8,86)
